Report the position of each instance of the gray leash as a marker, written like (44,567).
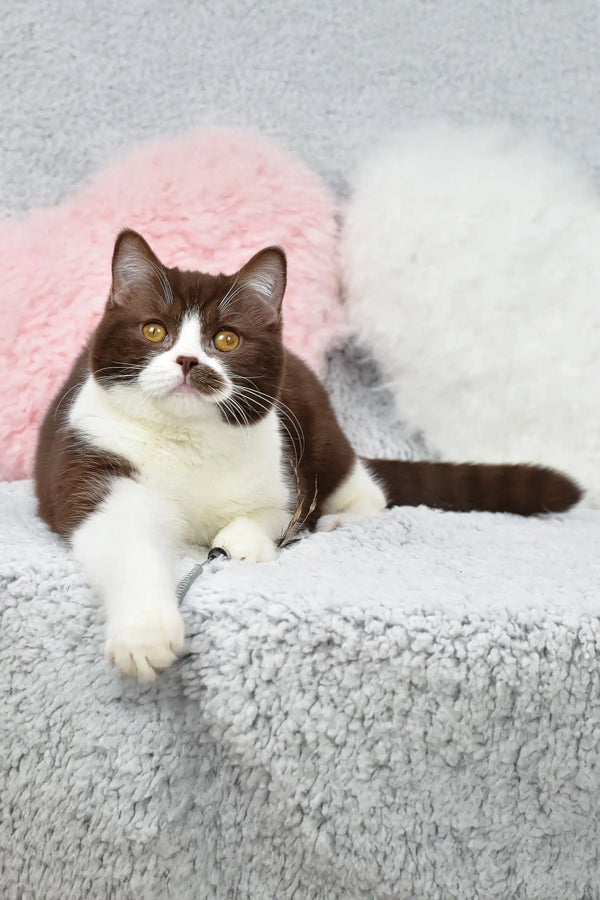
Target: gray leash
(188,580)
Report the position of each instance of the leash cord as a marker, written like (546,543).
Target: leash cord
(194,573)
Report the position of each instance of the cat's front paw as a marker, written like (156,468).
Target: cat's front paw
(145,641)
(245,539)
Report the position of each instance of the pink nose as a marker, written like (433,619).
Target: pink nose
(186,363)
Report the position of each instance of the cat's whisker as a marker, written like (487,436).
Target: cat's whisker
(164,282)
(297,437)
(247,377)
(123,377)
(273,400)
(223,304)
(232,406)
(266,406)
(255,394)
(116,372)
(120,365)
(233,401)
(64,397)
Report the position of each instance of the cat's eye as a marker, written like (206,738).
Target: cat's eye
(225,341)
(155,332)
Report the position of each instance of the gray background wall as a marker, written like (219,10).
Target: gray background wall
(82,82)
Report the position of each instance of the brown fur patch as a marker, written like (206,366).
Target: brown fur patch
(71,476)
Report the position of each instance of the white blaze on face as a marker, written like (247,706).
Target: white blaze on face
(163,374)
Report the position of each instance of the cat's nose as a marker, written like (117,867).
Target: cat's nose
(186,363)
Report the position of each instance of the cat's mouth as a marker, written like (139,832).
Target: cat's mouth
(207,385)
(184,388)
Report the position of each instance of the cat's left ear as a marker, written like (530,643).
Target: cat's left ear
(265,276)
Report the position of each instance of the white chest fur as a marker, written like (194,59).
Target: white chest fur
(209,471)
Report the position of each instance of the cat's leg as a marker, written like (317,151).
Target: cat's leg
(252,538)
(126,548)
(357,497)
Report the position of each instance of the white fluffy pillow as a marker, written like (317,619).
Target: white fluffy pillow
(471,260)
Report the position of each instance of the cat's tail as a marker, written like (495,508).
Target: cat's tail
(462,487)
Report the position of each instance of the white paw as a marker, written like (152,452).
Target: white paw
(145,641)
(334,520)
(244,539)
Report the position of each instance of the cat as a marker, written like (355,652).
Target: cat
(185,420)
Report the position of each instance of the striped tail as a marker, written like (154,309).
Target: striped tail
(462,487)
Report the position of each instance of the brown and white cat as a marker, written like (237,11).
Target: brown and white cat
(184,420)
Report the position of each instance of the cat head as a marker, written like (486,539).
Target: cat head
(184,343)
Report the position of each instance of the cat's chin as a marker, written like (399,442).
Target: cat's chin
(186,396)
(187,392)
(183,402)
(172,403)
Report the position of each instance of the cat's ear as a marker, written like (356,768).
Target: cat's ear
(135,267)
(265,276)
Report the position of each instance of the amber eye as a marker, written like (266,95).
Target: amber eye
(155,332)
(225,341)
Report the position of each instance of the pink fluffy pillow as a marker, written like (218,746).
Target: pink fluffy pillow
(208,202)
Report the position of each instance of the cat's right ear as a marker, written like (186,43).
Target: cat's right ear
(135,267)
(265,276)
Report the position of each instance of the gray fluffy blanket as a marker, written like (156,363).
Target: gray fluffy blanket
(405,708)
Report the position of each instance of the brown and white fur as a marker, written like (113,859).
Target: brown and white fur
(152,445)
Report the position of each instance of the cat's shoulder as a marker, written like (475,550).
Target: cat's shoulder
(299,382)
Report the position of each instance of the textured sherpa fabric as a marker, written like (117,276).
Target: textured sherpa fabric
(472,270)
(207,202)
(407,708)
